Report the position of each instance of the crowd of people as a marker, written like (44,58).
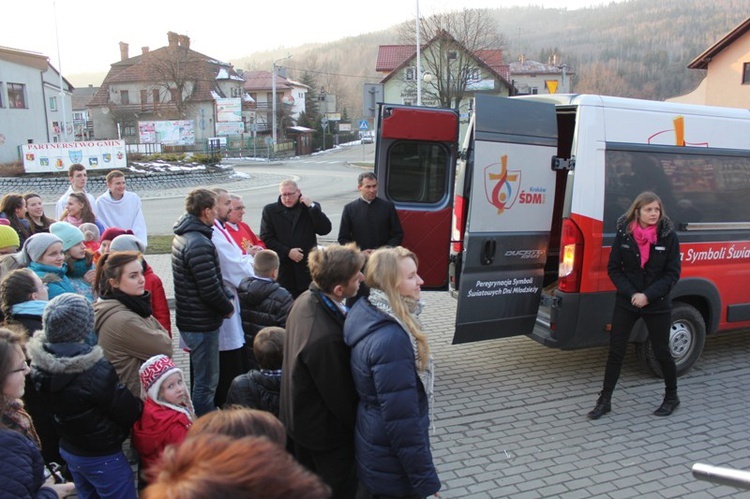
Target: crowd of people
(310,373)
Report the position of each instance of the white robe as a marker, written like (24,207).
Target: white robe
(234,267)
(63,202)
(125,213)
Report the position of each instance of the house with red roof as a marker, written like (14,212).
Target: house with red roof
(171,96)
(727,67)
(451,74)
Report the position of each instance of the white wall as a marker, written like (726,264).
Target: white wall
(17,126)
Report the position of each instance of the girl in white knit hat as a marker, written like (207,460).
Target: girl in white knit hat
(167,413)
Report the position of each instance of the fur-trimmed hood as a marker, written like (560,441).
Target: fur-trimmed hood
(666,226)
(55,365)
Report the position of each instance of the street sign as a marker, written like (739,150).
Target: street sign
(363,125)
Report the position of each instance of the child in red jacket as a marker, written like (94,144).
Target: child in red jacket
(167,412)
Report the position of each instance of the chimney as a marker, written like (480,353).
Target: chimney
(522,59)
(144,50)
(173,39)
(185,41)
(123,51)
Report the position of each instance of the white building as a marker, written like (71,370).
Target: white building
(32,106)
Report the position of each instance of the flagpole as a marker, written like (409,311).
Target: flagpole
(418,76)
(59,70)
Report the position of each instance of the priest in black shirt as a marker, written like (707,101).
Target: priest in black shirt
(369,221)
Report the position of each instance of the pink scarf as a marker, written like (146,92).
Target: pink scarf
(644,238)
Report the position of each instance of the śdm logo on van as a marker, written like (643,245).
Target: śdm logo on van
(503,188)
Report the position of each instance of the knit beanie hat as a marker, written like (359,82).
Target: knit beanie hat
(127,242)
(36,245)
(8,237)
(153,372)
(68,318)
(112,232)
(90,232)
(70,234)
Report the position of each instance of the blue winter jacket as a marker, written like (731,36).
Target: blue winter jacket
(21,467)
(391,436)
(56,279)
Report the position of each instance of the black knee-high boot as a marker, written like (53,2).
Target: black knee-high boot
(603,406)
(671,402)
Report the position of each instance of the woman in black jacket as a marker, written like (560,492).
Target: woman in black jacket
(93,411)
(644,266)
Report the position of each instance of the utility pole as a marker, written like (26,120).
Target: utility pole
(273,84)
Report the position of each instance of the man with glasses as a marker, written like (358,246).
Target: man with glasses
(289,227)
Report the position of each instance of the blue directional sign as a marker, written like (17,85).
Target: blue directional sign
(363,125)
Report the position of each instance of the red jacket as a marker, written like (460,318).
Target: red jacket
(158,427)
(159,305)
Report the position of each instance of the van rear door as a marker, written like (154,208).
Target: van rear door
(415,159)
(510,193)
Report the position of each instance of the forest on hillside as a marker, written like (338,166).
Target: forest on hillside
(636,48)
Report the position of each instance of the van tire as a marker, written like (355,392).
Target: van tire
(686,340)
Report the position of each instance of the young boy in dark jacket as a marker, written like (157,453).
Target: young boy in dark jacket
(93,411)
(260,389)
(263,302)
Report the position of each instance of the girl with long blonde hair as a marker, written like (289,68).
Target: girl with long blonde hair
(393,374)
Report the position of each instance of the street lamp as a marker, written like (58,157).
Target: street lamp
(273,80)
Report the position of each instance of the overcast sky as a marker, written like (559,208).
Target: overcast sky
(89,31)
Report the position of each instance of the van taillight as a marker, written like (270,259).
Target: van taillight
(459,223)
(571,257)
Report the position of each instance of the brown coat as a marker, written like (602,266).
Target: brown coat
(129,340)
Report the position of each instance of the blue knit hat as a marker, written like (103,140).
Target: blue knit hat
(70,234)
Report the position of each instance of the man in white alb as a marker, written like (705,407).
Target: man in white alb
(120,208)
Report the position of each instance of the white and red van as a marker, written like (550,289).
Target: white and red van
(519,220)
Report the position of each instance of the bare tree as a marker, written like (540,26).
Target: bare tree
(177,72)
(450,43)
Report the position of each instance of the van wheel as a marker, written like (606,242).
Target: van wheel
(686,340)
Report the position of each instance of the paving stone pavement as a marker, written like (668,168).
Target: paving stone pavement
(510,417)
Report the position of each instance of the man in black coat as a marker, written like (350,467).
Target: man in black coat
(369,221)
(201,300)
(289,227)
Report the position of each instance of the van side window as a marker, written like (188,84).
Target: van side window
(418,173)
(695,184)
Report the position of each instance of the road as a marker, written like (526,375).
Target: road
(328,178)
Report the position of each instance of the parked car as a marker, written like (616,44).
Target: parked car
(367,138)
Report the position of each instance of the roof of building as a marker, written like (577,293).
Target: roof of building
(263,80)
(148,67)
(392,56)
(529,67)
(82,96)
(24,57)
(701,62)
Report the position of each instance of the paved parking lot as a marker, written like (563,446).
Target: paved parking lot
(510,418)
